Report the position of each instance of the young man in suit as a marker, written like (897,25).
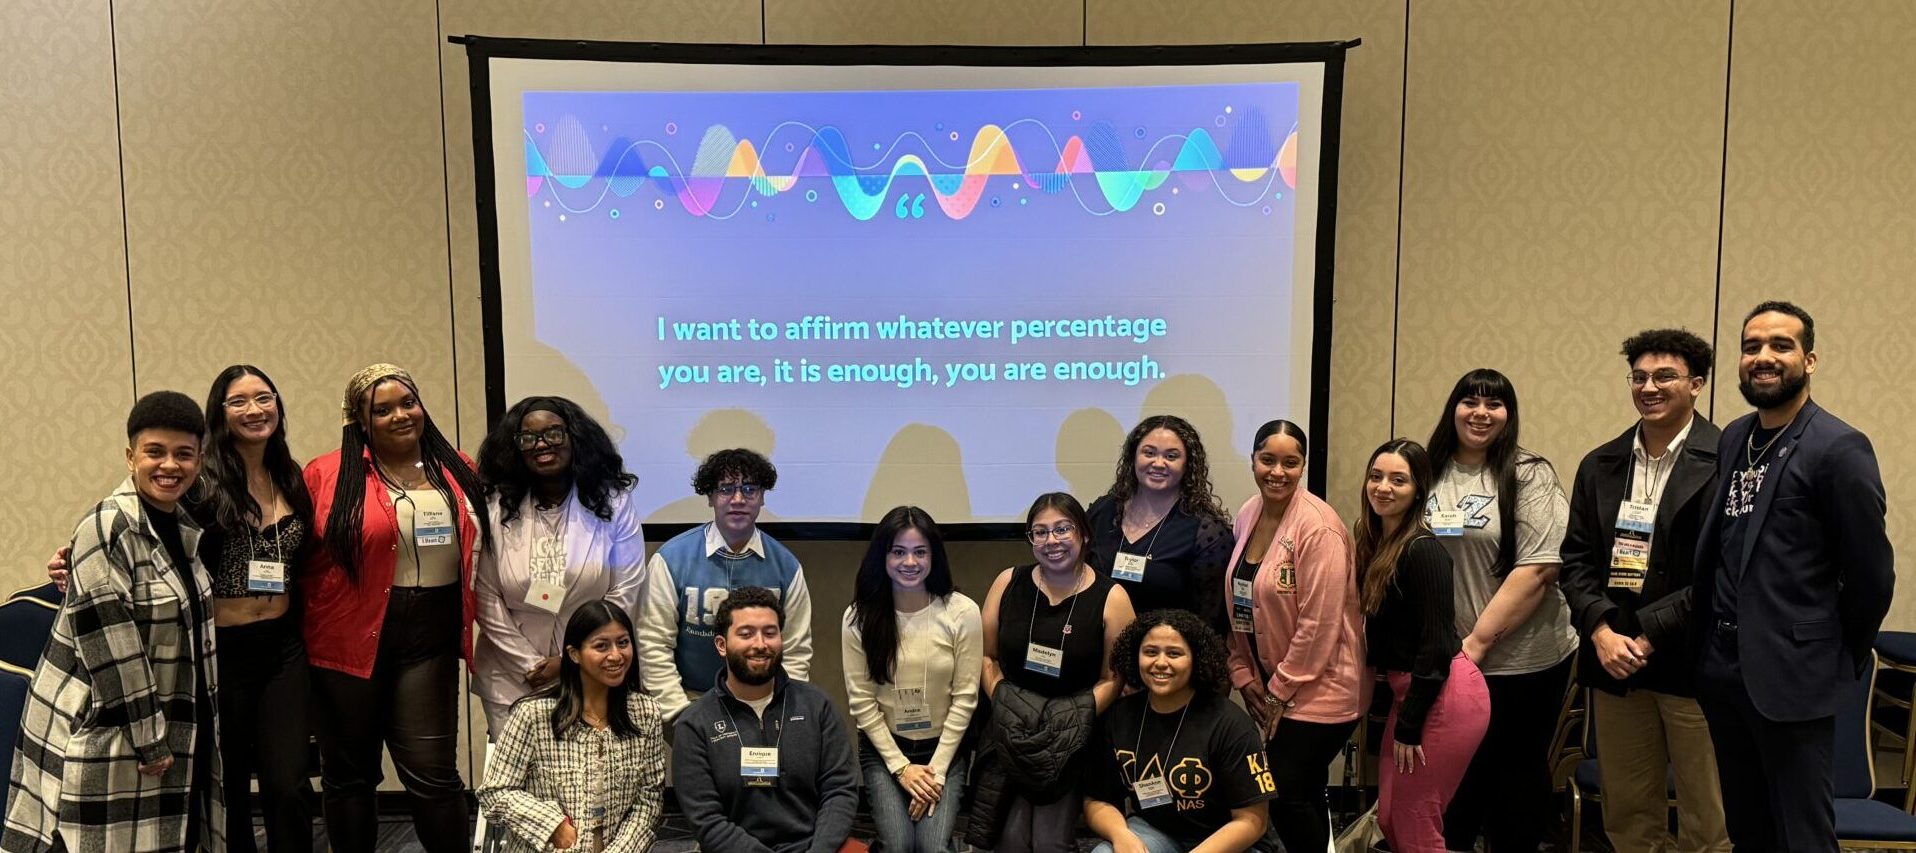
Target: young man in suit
(1793,577)
(1637,508)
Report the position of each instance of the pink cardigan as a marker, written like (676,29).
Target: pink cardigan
(1309,628)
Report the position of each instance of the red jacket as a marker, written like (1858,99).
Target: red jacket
(342,618)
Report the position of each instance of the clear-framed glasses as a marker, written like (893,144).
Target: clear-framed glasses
(553,436)
(1662,378)
(1041,534)
(265,400)
(747,491)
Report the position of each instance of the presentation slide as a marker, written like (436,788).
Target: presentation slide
(956,287)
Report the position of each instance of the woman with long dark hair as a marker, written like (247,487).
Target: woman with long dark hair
(389,610)
(1160,532)
(256,524)
(1500,513)
(914,649)
(1439,703)
(1296,635)
(563,535)
(1187,765)
(581,764)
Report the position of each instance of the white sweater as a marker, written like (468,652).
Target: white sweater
(940,648)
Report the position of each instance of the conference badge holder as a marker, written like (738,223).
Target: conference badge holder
(758,766)
(1130,567)
(1241,606)
(1044,660)
(910,716)
(265,576)
(1630,551)
(1448,523)
(1152,792)
(546,595)
(432,527)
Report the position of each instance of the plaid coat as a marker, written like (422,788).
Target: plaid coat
(113,690)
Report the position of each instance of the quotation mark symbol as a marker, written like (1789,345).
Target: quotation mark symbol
(915,210)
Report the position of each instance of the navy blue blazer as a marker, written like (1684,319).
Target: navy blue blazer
(1817,566)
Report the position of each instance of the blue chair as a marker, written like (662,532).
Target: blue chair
(25,624)
(1862,821)
(46,592)
(1578,775)
(14,683)
(1894,694)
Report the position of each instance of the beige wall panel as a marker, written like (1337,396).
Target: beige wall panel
(62,276)
(993,22)
(284,198)
(1561,169)
(1817,211)
(719,21)
(1367,195)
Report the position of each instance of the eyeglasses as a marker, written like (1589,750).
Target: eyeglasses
(238,404)
(747,491)
(1062,531)
(553,436)
(1661,378)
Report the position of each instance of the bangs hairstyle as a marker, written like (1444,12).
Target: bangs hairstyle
(598,471)
(749,466)
(1195,497)
(440,461)
(167,410)
(569,689)
(1377,551)
(1501,459)
(223,472)
(873,609)
(1210,673)
(1682,343)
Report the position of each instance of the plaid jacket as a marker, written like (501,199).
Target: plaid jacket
(604,782)
(113,690)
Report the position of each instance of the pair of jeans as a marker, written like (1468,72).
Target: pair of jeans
(1155,840)
(264,692)
(1301,753)
(1506,792)
(1048,828)
(410,704)
(891,807)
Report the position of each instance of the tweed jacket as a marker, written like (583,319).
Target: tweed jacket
(113,690)
(611,787)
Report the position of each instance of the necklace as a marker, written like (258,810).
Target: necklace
(403,483)
(1750,451)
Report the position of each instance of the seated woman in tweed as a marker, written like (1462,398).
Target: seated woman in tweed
(581,765)
(116,748)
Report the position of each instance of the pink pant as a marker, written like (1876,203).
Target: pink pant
(1410,807)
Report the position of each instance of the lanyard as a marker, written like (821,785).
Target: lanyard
(776,739)
(1155,530)
(1037,592)
(1169,748)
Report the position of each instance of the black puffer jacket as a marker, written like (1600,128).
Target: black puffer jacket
(1030,749)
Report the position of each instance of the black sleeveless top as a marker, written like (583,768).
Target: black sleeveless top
(1023,613)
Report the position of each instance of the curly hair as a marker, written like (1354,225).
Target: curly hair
(749,466)
(1682,343)
(1195,497)
(1210,673)
(598,471)
(167,410)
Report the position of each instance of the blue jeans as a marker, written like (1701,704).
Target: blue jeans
(1154,839)
(891,806)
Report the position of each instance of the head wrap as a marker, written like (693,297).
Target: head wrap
(363,382)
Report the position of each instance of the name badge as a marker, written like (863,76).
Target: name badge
(1241,606)
(910,714)
(758,765)
(1629,563)
(1637,517)
(1152,792)
(545,595)
(1044,659)
(432,527)
(1447,522)
(265,576)
(1129,567)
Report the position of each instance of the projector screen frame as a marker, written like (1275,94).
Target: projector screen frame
(481,49)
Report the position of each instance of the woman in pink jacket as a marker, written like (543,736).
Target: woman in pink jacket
(1296,648)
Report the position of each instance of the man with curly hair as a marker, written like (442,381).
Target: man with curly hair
(695,571)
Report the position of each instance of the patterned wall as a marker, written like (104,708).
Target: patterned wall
(298,192)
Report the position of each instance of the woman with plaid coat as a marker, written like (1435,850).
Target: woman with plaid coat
(117,750)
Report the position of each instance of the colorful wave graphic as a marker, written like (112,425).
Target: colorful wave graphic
(1251,161)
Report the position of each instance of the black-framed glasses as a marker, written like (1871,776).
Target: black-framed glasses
(747,491)
(264,400)
(1039,535)
(553,436)
(1662,378)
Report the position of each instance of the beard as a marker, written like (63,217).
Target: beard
(740,667)
(1784,391)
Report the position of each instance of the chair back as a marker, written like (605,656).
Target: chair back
(14,684)
(1855,767)
(25,625)
(46,592)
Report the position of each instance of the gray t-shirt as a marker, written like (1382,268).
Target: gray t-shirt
(1546,638)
